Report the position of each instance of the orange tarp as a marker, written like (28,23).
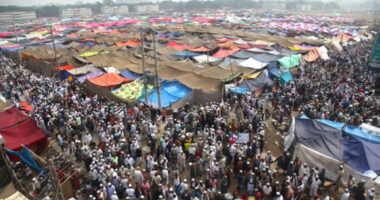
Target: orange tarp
(25,106)
(245,46)
(223,40)
(109,79)
(65,67)
(343,37)
(228,44)
(129,43)
(177,46)
(222,53)
(199,49)
(312,55)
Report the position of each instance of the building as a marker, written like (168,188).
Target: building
(115,10)
(76,13)
(146,8)
(274,5)
(17,16)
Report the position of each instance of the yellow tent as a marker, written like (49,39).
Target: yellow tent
(251,76)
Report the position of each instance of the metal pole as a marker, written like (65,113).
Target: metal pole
(143,67)
(55,52)
(15,181)
(55,181)
(156,70)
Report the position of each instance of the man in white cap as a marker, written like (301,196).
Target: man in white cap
(278,196)
(339,175)
(370,194)
(346,195)
(314,186)
(130,192)
(267,190)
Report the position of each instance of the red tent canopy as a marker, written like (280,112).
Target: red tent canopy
(177,46)
(129,43)
(222,53)
(65,67)
(11,117)
(24,133)
(199,49)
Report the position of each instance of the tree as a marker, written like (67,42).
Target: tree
(108,2)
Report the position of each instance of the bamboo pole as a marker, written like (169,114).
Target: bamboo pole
(15,180)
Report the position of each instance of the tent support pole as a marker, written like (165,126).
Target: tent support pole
(156,70)
(15,181)
(55,181)
(55,51)
(143,67)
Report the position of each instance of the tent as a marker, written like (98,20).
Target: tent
(185,54)
(170,91)
(108,79)
(314,140)
(89,54)
(200,49)
(26,133)
(131,91)
(11,117)
(201,59)
(262,81)
(129,43)
(129,75)
(177,46)
(111,70)
(222,53)
(286,77)
(83,78)
(84,70)
(290,61)
(253,64)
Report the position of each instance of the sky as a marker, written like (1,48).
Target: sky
(41,2)
(64,2)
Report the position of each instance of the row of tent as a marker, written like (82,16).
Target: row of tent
(126,85)
(327,144)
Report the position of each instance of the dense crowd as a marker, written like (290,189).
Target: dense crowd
(140,152)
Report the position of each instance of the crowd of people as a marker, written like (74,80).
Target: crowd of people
(141,152)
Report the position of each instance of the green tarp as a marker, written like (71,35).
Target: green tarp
(290,61)
(130,92)
(376,51)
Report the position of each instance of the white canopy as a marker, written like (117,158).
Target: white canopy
(205,58)
(253,64)
(111,70)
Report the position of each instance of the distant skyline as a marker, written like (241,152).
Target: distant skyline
(64,2)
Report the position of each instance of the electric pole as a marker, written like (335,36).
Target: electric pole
(156,70)
(55,52)
(143,66)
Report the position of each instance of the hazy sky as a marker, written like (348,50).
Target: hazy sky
(41,2)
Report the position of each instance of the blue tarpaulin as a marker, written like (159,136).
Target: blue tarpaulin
(27,158)
(340,142)
(185,54)
(170,91)
(273,70)
(361,155)
(286,77)
(243,89)
(129,75)
(349,130)
(360,133)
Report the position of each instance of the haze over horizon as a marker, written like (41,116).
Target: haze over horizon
(349,3)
